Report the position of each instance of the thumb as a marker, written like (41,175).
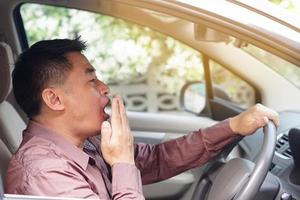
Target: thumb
(105,133)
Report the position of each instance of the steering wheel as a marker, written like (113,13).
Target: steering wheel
(240,179)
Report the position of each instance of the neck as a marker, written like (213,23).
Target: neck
(59,127)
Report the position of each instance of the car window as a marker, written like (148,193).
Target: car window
(146,67)
(230,87)
(286,69)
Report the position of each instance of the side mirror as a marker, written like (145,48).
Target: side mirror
(193,97)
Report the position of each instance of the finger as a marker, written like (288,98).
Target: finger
(123,114)
(276,119)
(125,124)
(269,113)
(114,107)
(272,115)
(115,117)
(105,133)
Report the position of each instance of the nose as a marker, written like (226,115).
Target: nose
(103,88)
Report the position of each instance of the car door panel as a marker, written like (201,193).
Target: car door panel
(170,188)
(222,109)
(154,128)
(167,123)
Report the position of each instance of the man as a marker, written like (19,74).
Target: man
(62,154)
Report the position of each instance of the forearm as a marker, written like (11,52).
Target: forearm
(162,161)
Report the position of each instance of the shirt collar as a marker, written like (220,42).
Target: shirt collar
(71,151)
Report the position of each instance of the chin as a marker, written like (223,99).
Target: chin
(95,132)
(95,129)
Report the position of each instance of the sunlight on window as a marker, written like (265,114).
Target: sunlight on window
(286,69)
(144,66)
(291,5)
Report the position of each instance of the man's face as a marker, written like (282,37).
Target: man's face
(85,97)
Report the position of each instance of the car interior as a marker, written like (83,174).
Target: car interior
(195,63)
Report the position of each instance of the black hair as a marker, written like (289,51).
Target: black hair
(43,64)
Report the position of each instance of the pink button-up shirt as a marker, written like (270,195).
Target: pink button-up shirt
(47,164)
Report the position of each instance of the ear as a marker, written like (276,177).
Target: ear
(53,99)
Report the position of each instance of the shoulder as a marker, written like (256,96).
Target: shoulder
(35,157)
(37,154)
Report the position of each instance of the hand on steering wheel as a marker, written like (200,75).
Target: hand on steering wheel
(240,179)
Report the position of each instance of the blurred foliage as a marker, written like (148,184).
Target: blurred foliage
(121,52)
(126,53)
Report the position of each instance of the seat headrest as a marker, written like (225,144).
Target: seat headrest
(6,65)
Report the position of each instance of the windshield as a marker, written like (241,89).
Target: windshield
(286,69)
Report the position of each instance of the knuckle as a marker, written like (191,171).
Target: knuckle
(258,106)
(258,122)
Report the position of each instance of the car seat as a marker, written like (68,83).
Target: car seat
(11,124)
(4,160)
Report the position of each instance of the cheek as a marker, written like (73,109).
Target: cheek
(103,103)
(92,100)
(73,104)
(97,106)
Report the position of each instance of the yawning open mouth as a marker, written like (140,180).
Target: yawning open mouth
(107,108)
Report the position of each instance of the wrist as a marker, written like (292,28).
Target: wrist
(130,162)
(233,124)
